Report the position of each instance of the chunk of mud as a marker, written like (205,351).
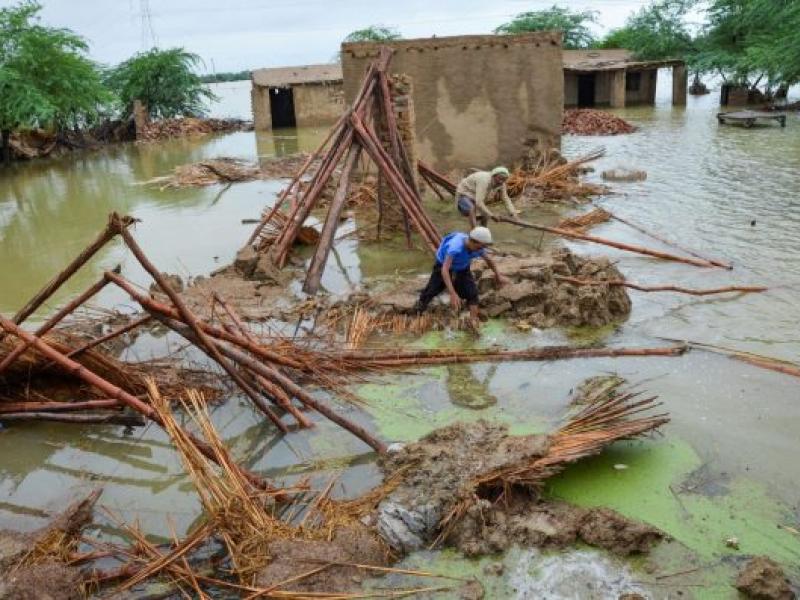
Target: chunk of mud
(294,557)
(524,520)
(438,471)
(48,581)
(245,261)
(763,579)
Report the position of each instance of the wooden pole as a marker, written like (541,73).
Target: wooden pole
(664,240)
(55,319)
(398,184)
(152,306)
(112,391)
(282,198)
(110,336)
(112,228)
(436,357)
(598,240)
(280,396)
(430,173)
(205,343)
(81,419)
(314,273)
(20,407)
(290,386)
(662,288)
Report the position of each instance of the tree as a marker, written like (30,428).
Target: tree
(655,32)
(46,80)
(573,25)
(163,80)
(373,33)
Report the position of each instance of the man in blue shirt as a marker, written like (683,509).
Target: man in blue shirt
(452,272)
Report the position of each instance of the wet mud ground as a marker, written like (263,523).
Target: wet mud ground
(725,466)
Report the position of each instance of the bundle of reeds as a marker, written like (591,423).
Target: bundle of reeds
(553,177)
(581,223)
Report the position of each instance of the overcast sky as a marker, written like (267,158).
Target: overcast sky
(233,35)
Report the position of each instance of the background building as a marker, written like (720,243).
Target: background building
(297,96)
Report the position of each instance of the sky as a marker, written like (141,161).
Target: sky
(236,35)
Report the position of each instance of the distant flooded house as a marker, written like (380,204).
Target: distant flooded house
(296,96)
(613,78)
(478,100)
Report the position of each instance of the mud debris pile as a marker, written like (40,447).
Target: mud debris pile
(187,127)
(441,469)
(535,293)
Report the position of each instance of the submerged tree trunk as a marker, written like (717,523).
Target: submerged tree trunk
(5,146)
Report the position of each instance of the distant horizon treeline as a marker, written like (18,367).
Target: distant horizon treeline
(225,76)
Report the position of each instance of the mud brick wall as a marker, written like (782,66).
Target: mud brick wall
(318,103)
(477,99)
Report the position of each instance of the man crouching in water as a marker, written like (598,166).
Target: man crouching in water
(452,271)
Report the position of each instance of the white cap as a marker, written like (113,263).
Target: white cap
(482,235)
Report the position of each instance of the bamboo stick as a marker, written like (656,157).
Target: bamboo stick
(662,288)
(67,309)
(151,305)
(664,240)
(429,172)
(204,343)
(433,357)
(110,231)
(290,386)
(21,407)
(57,417)
(314,272)
(282,198)
(110,336)
(280,396)
(598,240)
(397,183)
(113,391)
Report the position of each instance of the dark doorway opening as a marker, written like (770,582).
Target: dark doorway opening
(586,90)
(281,107)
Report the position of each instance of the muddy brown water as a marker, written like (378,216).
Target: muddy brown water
(725,191)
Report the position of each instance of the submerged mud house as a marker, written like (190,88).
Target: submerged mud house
(477,99)
(296,96)
(613,78)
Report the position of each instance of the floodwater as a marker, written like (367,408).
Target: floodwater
(724,191)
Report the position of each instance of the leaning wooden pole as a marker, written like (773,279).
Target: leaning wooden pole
(614,244)
(112,391)
(111,230)
(204,342)
(290,386)
(314,273)
(66,310)
(664,240)
(742,289)
(285,193)
(278,393)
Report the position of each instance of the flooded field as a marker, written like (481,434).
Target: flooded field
(725,467)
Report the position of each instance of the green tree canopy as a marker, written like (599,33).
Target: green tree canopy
(655,32)
(45,77)
(164,80)
(373,33)
(573,24)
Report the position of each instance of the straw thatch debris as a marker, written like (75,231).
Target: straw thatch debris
(588,121)
(546,176)
(582,222)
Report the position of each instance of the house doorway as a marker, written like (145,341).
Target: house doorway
(586,84)
(281,107)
